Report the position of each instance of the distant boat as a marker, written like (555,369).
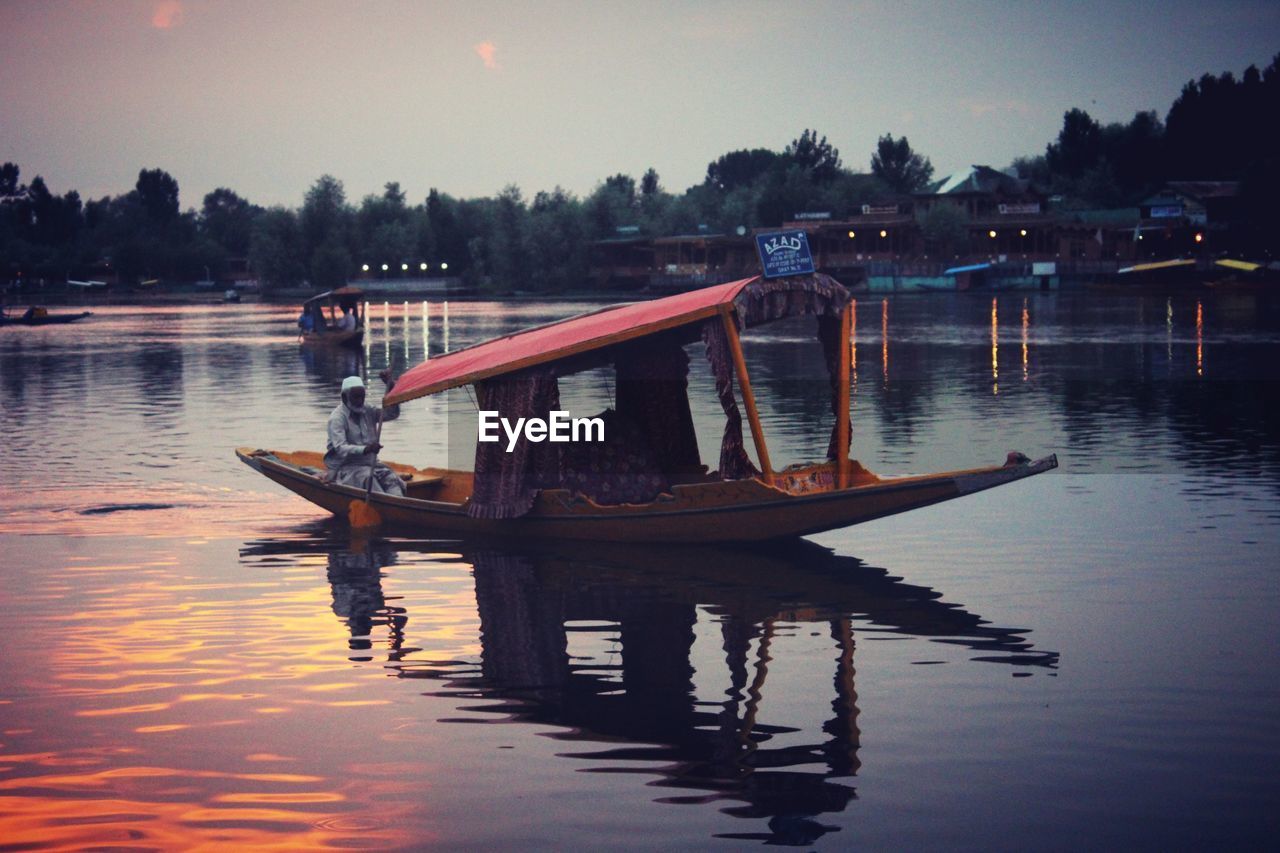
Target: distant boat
(317,329)
(1173,274)
(41,317)
(1156,266)
(1246,275)
(87,285)
(970,276)
(231,295)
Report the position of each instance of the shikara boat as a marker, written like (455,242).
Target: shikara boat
(88,286)
(41,317)
(1245,275)
(645,481)
(1158,276)
(317,329)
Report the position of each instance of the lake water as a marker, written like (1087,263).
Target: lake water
(1085,659)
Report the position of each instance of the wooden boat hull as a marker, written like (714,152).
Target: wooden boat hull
(713,512)
(351,338)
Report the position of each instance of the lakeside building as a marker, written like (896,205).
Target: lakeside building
(688,261)
(671,264)
(621,263)
(1187,217)
(977,228)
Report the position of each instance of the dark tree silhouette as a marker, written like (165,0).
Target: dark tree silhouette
(9,185)
(52,221)
(624,186)
(815,156)
(276,249)
(1135,153)
(325,214)
(898,166)
(1219,126)
(739,168)
(1078,147)
(649,183)
(448,239)
(227,219)
(158,194)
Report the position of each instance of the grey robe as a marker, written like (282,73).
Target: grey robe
(344,457)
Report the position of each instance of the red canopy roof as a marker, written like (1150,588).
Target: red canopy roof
(559,340)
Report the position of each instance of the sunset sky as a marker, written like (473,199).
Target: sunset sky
(264,96)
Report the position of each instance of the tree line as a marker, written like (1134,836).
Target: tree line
(1218,128)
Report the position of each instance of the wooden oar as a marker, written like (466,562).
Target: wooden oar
(362,513)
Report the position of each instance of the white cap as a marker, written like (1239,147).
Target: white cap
(352,382)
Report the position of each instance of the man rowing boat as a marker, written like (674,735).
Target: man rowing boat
(353,445)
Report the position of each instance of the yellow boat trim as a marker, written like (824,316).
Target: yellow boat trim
(1159,265)
(1238,265)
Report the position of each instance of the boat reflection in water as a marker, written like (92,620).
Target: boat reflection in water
(326,366)
(636,709)
(355,575)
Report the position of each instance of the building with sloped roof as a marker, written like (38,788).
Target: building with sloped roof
(980,190)
(1198,202)
(1005,215)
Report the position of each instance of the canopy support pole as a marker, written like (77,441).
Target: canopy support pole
(754,692)
(748,398)
(844,725)
(843,425)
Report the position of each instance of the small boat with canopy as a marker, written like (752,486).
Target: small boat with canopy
(645,482)
(316,328)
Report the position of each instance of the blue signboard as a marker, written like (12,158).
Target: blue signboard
(784,253)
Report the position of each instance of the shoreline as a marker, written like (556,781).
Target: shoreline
(12,301)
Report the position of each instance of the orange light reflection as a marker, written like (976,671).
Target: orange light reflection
(995,349)
(884,338)
(1199,338)
(853,342)
(69,812)
(1026,324)
(152,662)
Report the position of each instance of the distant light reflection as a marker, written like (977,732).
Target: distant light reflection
(853,342)
(995,349)
(1026,324)
(1199,338)
(884,338)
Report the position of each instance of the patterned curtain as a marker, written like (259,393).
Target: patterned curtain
(766,300)
(653,394)
(734,462)
(507,483)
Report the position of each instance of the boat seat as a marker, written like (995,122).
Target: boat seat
(416,482)
(621,469)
